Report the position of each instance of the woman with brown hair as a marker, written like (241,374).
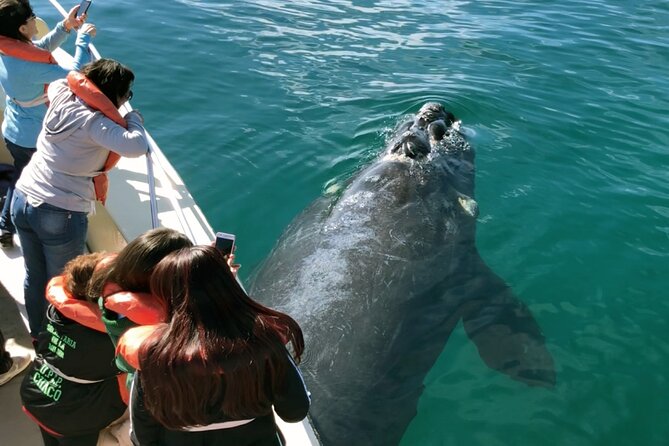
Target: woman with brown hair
(211,374)
(71,391)
(124,287)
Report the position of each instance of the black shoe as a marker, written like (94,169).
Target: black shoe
(7,239)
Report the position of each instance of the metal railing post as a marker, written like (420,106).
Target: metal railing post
(152,190)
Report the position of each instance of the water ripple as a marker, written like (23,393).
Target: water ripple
(271,103)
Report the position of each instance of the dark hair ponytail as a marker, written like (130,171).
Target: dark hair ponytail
(111,77)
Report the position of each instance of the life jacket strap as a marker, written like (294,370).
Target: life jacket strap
(73,379)
(39,100)
(217,426)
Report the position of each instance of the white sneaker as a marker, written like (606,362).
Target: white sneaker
(19,363)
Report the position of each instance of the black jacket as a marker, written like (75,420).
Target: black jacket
(60,405)
(291,404)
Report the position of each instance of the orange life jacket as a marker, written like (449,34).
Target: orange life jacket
(25,51)
(129,344)
(88,92)
(28,52)
(85,313)
(141,308)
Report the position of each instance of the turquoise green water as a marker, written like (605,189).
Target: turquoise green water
(264,105)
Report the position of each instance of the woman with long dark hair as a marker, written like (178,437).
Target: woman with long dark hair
(211,374)
(124,288)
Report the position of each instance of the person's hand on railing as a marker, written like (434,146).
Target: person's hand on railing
(135,113)
(88,28)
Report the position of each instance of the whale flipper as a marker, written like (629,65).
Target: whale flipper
(505,332)
(469,205)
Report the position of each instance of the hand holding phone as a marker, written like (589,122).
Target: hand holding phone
(225,242)
(83,7)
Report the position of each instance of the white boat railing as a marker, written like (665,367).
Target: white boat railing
(152,191)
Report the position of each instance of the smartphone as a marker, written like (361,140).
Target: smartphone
(83,7)
(225,242)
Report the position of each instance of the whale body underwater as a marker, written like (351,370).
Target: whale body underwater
(380,276)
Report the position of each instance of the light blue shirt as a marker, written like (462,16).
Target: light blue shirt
(25,81)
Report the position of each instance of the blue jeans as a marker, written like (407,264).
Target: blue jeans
(50,237)
(21,156)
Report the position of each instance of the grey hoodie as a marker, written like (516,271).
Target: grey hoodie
(72,148)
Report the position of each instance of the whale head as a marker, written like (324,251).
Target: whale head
(416,138)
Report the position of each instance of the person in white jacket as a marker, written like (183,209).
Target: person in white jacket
(55,192)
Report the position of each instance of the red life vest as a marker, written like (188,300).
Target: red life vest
(129,344)
(141,308)
(91,95)
(85,313)
(25,51)
(28,52)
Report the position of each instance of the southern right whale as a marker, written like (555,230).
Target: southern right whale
(379,278)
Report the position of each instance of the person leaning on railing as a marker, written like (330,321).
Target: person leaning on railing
(26,67)
(211,373)
(82,136)
(123,293)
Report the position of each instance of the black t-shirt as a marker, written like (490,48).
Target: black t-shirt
(291,403)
